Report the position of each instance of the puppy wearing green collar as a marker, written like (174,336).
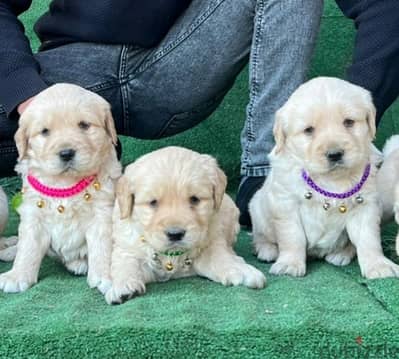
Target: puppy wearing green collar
(172,219)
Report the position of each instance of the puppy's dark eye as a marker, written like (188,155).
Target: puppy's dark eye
(45,131)
(309,130)
(154,203)
(348,123)
(194,200)
(83,125)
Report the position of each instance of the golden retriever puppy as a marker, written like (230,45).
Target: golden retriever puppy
(68,165)
(7,245)
(388,182)
(320,198)
(173,219)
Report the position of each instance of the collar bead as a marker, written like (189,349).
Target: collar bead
(61,192)
(342,195)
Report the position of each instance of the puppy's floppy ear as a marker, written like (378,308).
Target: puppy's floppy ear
(219,187)
(125,197)
(110,125)
(21,140)
(218,178)
(278,131)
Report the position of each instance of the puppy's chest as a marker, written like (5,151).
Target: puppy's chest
(68,229)
(324,218)
(323,228)
(165,268)
(66,222)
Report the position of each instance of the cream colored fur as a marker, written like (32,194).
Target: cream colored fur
(62,117)
(7,245)
(388,182)
(168,189)
(287,227)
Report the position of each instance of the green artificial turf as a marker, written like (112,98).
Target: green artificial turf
(330,313)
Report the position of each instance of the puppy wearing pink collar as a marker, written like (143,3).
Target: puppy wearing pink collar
(68,166)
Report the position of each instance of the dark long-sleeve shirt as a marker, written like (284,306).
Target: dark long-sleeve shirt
(135,22)
(375,63)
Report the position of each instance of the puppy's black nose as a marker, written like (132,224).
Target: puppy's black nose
(175,234)
(67,154)
(335,155)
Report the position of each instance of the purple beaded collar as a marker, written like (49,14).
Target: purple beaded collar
(343,195)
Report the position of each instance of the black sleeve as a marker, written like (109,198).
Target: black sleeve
(19,72)
(153,19)
(375,64)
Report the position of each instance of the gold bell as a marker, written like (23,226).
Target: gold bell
(40,203)
(142,238)
(87,196)
(60,208)
(97,185)
(342,208)
(169,266)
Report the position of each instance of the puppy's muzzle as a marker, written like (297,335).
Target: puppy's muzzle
(335,156)
(67,155)
(175,234)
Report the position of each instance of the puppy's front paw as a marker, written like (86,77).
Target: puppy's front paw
(380,268)
(8,254)
(12,282)
(8,242)
(266,252)
(102,284)
(294,268)
(77,267)
(244,274)
(341,257)
(8,249)
(118,294)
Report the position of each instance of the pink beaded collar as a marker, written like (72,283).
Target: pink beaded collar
(60,192)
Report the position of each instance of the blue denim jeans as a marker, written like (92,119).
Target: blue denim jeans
(162,91)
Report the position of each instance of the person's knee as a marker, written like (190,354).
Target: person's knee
(158,121)
(8,126)
(8,150)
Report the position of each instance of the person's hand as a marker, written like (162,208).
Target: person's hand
(23,105)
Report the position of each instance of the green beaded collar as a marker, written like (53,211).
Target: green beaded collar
(173,253)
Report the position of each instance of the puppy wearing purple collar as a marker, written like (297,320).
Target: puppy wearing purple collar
(320,198)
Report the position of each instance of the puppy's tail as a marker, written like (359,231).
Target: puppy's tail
(391,145)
